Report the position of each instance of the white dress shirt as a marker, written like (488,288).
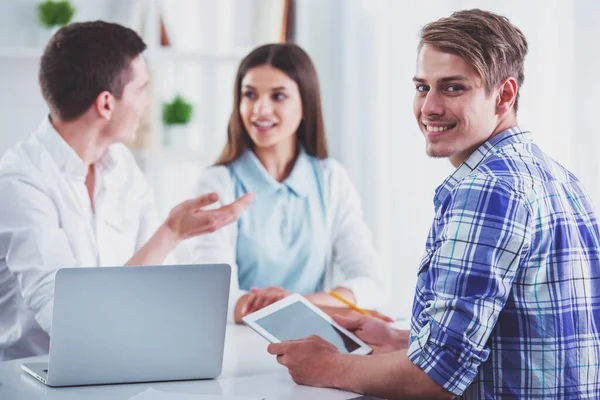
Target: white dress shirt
(47,222)
(351,259)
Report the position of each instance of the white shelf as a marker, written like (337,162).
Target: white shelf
(153,55)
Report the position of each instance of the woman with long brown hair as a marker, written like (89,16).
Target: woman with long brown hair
(305,231)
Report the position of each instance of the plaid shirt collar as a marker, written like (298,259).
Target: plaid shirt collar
(505,138)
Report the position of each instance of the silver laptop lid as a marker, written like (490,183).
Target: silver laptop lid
(136,324)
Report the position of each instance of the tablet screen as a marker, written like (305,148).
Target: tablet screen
(297,321)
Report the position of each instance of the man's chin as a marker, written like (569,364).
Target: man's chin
(129,138)
(437,153)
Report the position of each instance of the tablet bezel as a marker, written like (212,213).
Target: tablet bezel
(250,321)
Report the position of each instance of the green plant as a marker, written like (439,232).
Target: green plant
(55,13)
(179,111)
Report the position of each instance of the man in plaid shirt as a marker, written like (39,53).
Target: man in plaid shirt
(507,303)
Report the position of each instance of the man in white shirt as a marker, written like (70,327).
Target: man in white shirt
(72,194)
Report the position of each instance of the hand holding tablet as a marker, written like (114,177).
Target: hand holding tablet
(295,318)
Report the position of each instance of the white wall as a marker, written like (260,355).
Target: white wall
(21,104)
(584,86)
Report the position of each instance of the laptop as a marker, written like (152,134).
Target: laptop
(136,324)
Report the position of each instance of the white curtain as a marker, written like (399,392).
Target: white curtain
(365,52)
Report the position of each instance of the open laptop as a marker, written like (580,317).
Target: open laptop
(136,324)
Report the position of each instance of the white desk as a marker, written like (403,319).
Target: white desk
(248,370)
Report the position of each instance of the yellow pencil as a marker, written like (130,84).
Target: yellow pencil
(349,304)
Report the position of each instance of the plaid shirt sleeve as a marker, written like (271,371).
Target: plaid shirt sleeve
(477,240)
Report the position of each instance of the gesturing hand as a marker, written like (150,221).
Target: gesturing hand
(189,219)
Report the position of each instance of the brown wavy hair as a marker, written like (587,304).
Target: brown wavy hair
(84,59)
(295,63)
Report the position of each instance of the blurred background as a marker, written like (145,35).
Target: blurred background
(365,53)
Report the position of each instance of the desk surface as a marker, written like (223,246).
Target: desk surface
(248,370)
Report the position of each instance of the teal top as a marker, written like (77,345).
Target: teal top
(282,237)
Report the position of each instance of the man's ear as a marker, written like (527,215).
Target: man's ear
(105,105)
(507,95)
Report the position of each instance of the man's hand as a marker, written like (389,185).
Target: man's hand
(312,361)
(349,312)
(189,219)
(260,298)
(380,336)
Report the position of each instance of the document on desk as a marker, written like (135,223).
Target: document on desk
(153,394)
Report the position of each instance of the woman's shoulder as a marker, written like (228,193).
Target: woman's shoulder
(215,179)
(216,171)
(332,171)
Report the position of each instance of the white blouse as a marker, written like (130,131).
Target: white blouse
(352,261)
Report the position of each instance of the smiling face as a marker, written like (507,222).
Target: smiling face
(270,107)
(451,105)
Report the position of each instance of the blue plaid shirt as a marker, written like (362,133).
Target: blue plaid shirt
(507,304)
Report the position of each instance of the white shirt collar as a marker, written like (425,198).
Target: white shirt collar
(63,154)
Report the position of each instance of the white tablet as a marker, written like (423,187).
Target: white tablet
(295,318)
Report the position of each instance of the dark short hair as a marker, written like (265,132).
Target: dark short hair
(487,41)
(84,59)
(295,63)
